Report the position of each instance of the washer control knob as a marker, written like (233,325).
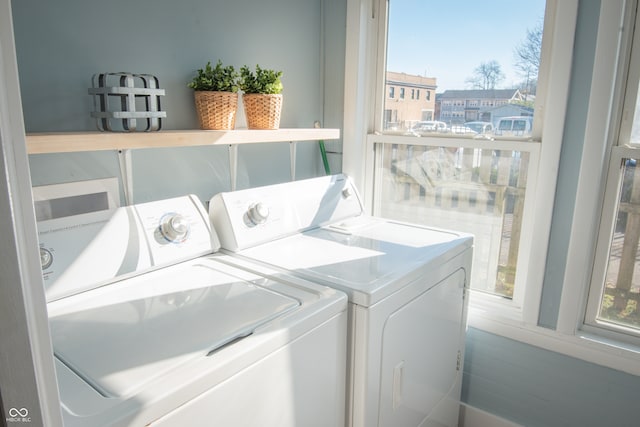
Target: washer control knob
(46,258)
(174,228)
(258,213)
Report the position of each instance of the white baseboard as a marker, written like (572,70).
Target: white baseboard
(474,417)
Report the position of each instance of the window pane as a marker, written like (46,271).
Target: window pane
(505,125)
(519,125)
(481,60)
(475,190)
(635,128)
(477,64)
(619,303)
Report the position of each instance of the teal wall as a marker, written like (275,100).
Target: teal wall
(540,388)
(61,44)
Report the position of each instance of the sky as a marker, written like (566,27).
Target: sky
(448,39)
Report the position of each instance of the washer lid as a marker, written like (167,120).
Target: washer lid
(119,348)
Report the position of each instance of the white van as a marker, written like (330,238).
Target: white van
(514,126)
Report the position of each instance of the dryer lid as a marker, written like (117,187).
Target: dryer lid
(368,258)
(121,347)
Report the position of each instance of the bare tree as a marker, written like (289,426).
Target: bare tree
(486,76)
(527,57)
(527,53)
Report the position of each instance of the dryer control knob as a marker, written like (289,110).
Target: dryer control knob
(258,213)
(174,228)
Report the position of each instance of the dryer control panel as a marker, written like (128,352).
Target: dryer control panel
(82,252)
(246,218)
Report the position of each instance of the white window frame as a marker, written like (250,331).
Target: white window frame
(550,108)
(600,264)
(629,73)
(598,172)
(366,40)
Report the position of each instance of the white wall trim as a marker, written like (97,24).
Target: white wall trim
(27,375)
(470,416)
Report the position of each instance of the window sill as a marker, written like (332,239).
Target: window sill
(588,347)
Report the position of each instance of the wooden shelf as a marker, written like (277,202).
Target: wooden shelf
(67,142)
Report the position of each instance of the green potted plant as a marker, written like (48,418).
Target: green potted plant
(216,96)
(262,97)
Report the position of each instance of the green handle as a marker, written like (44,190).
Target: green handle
(323,151)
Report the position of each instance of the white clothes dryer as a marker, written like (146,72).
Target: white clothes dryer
(150,328)
(406,287)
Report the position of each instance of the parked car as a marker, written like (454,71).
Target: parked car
(430,126)
(481,128)
(514,126)
(462,130)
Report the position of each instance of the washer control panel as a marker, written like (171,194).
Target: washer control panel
(81,252)
(249,217)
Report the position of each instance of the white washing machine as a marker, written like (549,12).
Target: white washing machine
(406,287)
(149,328)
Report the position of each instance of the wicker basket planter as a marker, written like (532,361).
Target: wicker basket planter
(262,110)
(216,110)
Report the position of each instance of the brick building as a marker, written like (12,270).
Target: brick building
(408,100)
